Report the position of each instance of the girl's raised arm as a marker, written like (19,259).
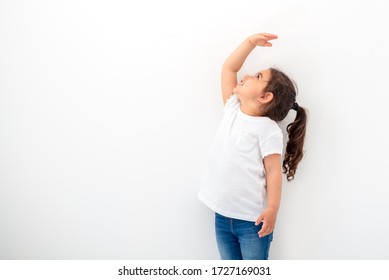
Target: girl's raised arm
(236,59)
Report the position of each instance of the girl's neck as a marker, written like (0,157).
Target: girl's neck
(254,112)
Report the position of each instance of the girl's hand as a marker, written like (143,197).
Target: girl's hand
(262,39)
(268,216)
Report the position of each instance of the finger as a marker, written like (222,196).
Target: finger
(259,220)
(269,230)
(270,35)
(263,232)
(263,229)
(266,231)
(267,44)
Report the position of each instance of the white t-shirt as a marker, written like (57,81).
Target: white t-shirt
(234,184)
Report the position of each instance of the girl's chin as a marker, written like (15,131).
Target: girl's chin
(235,90)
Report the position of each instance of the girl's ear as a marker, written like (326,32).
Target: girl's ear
(265,97)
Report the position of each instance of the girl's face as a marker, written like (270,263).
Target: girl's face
(252,87)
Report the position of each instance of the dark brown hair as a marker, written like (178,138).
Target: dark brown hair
(284,99)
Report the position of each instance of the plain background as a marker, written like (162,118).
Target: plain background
(108,110)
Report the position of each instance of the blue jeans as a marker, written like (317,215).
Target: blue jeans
(239,240)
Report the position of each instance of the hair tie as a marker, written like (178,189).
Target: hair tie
(295,106)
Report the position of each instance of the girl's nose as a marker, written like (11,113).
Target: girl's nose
(244,78)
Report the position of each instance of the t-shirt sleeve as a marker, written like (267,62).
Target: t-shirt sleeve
(272,145)
(231,103)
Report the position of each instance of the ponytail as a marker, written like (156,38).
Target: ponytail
(284,99)
(294,147)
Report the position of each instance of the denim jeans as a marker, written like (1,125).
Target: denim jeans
(239,240)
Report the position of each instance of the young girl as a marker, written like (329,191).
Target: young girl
(243,182)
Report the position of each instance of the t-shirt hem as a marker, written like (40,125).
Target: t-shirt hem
(228,214)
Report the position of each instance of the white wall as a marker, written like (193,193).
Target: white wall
(108,110)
